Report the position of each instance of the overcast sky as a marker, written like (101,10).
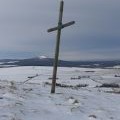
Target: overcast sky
(24,24)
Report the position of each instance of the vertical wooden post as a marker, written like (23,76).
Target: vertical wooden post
(59,27)
(57,47)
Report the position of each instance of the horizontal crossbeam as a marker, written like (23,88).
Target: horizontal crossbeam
(62,26)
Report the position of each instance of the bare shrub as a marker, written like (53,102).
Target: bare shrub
(109,85)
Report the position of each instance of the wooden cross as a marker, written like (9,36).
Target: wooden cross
(58,28)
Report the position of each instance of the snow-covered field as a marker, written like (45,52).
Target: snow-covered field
(24,94)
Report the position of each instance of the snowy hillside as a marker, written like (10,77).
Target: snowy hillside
(25,94)
(46,61)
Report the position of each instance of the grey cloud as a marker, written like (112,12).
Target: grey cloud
(24,24)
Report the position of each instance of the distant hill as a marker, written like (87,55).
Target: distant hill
(44,61)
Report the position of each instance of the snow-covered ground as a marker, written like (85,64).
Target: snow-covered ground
(31,100)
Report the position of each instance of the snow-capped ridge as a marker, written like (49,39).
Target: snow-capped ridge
(42,57)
